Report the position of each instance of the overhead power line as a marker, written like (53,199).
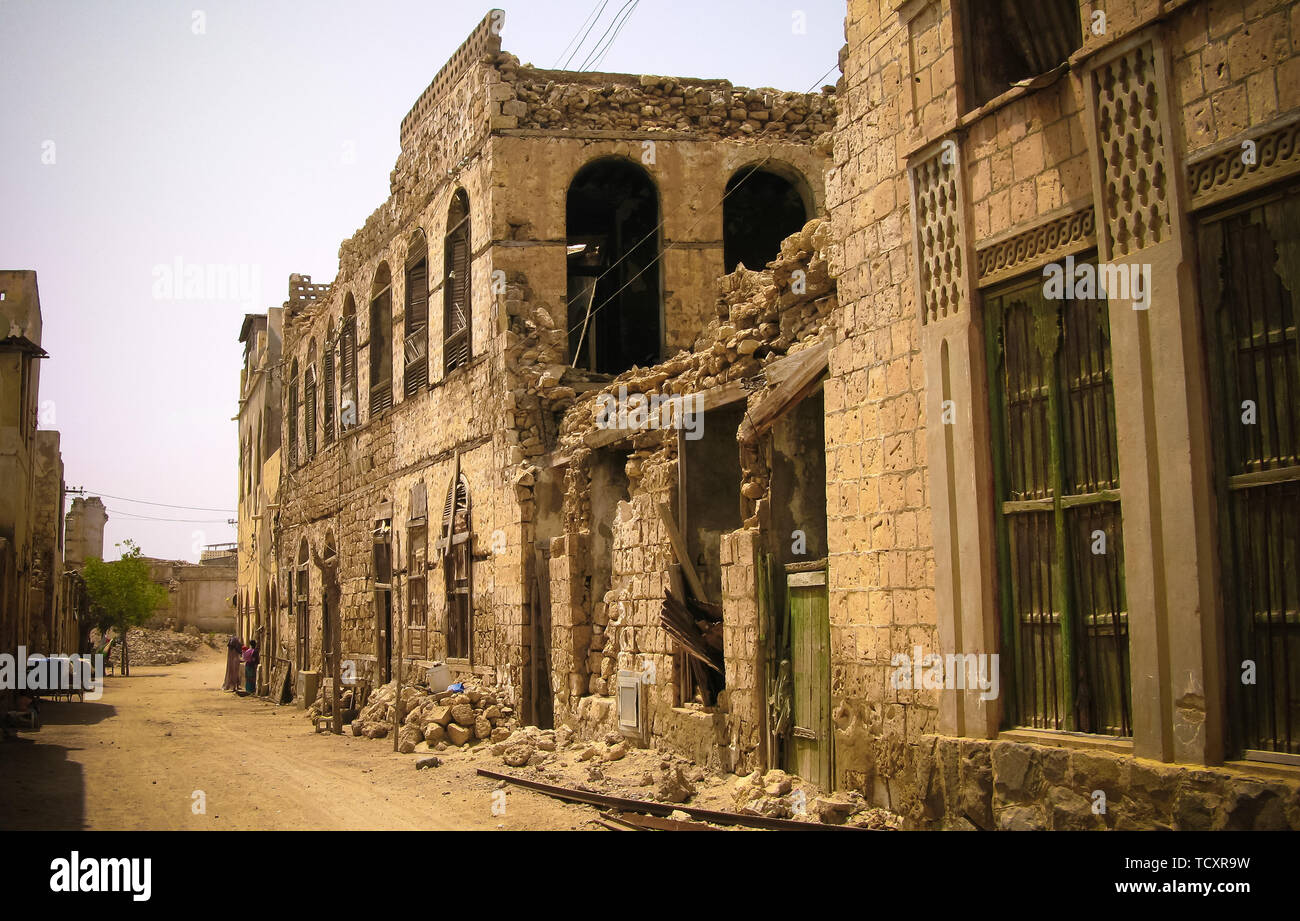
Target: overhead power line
(600,59)
(590,23)
(591,55)
(187,508)
(135,517)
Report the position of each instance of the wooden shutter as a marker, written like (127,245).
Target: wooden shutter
(309,400)
(416,345)
(381,351)
(1250,296)
(458,312)
(293,420)
(1058,503)
(328,399)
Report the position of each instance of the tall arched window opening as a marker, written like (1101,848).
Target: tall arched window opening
(760,210)
(381,341)
(612,219)
(458,308)
(416,345)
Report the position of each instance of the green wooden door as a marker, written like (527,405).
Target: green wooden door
(810,652)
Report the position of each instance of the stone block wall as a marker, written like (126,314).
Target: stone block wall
(881,560)
(746,696)
(1001,189)
(1021,786)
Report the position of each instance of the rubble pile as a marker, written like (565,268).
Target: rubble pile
(777,794)
(158,647)
(647,102)
(761,316)
(440,719)
(609,764)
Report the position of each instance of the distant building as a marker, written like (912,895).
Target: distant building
(260,417)
(85,531)
(200,595)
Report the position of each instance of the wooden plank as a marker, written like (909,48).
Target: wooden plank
(658,823)
(679,549)
(804,376)
(662,809)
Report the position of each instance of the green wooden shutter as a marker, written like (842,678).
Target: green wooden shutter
(1250,281)
(1064,617)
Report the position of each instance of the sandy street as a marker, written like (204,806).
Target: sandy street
(134,759)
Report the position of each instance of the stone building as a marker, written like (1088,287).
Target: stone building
(200,595)
(20,355)
(260,419)
(47,549)
(570,228)
(41,605)
(1061,417)
(84,529)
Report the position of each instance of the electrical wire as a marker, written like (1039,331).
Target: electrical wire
(135,517)
(591,54)
(588,26)
(188,508)
(595,65)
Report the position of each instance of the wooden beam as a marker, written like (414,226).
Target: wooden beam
(801,379)
(683,556)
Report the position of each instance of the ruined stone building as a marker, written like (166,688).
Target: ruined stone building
(201,596)
(84,531)
(932,437)
(547,231)
(41,604)
(260,419)
(1062,411)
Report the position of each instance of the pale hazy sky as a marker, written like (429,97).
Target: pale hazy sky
(259,135)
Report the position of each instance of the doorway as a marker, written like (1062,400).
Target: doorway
(810,655)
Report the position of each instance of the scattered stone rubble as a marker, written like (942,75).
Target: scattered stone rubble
(777,794)
(438,719)
(161,647)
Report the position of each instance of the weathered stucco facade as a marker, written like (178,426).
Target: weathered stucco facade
(977,148)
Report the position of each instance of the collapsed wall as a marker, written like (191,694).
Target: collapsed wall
(613,565)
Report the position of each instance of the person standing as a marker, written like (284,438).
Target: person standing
(233,649)
(251,659)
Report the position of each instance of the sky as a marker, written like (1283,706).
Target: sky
(250,139)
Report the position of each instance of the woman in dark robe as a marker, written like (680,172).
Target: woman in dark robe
(234,649)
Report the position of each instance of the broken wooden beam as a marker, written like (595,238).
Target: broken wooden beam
(805,372)
(679,550)
(662,809)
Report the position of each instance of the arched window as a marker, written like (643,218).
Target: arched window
(760,210)
(381,341)
(458,319)
(291,413)
(309,402)
(327,398)
(416,346)
(612,218)
(348,365)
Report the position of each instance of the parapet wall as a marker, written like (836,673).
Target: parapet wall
(546,99)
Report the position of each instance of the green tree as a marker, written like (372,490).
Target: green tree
(122,595)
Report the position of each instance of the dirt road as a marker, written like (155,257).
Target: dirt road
(167,740)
